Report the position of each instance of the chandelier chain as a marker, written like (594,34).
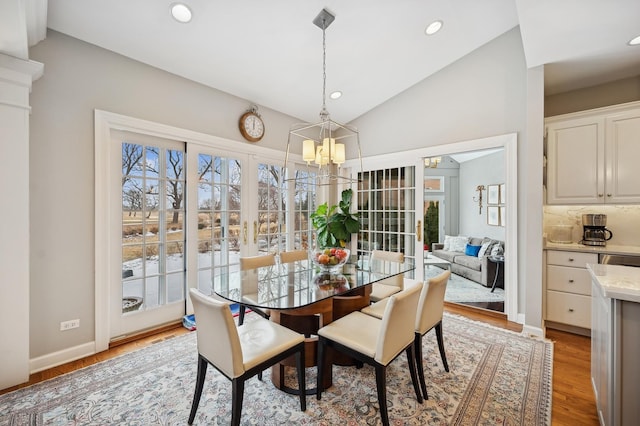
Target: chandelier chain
(324,114)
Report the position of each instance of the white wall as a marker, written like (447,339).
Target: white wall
(486,170)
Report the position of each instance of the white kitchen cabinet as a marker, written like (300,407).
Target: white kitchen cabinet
(592,156)
(568,288)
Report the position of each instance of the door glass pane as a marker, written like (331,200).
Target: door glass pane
(271,207)
(386,203)
(219,227)
(152,223)
(304,196)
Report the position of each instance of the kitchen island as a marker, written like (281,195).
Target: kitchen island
(615,342)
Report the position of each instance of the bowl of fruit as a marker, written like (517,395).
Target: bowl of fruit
(330,259)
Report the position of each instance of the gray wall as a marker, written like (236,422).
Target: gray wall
(483,94)
(615,92)
(79,78)
(487,170)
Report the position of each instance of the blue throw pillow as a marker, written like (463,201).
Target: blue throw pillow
(472,250)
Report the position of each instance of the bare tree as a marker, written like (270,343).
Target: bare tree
(131,156)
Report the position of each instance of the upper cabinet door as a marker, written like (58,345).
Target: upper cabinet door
(592,156)
(623,152)
(575,161)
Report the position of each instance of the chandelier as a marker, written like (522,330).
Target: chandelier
(323,143)
(432,162)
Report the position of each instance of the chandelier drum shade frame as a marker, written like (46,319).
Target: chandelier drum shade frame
(323,143)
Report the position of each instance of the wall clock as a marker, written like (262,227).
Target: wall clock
(251,125)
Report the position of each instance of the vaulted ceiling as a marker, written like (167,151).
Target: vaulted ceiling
(270,52)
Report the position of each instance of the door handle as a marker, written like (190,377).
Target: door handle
(244,233)
(419,231)
(255,232)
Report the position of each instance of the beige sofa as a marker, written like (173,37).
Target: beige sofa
(475,268)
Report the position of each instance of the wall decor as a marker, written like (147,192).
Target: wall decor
(493,215)
(493,194)
(503,194)
(478,200)
(503,215)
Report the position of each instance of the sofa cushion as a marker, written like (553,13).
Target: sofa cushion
(471,250)
(470,262)
(446,255)
(475,241)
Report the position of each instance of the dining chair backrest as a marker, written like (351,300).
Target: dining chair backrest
(253,262)
(218,339)
(293,256)
(397,328)
(388,262)
(431,304)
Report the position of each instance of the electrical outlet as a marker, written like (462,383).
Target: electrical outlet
(68,325)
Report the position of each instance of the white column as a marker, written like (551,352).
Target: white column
(16,77)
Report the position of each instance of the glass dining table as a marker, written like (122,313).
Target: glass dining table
(300,296)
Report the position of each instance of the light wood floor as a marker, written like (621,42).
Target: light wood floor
(573,400)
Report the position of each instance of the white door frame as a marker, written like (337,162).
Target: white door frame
(105,122)
(510,144)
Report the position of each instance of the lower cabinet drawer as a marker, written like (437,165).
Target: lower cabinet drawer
(570,280)
(568,308)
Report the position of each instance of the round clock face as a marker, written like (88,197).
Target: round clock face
(251,126)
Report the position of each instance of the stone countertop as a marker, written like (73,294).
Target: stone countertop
(617,282)
(608,249)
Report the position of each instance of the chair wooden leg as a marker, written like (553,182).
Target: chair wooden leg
(237,393)
(411,359)
(381,384)
(320,367)
(441,346)
(241,312)
(302,382)
(418,352)
(202,372)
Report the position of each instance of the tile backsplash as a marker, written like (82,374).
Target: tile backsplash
(622,220)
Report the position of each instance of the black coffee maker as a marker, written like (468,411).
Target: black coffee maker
(594,231)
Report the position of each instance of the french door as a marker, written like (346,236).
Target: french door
(176,209)
(150,210)
(390,215)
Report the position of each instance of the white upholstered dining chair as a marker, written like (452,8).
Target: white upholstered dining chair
(375,341)
(294,256)
(250,284)
(386,262)
(239,353)
(429,316)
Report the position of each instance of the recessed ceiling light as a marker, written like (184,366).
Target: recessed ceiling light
(181,12)
(335,95)
(635,41)
(433,27)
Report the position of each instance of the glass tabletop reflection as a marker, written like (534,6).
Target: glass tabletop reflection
(298,284)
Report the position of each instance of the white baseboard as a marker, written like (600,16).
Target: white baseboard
(61,357)
(532,331)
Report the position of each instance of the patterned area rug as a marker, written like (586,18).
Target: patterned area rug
(460,289)
(496,377)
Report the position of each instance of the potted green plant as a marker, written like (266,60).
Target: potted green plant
(334,225)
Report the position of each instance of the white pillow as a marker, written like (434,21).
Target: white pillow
(447,242)
(485,247)
(459,244)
